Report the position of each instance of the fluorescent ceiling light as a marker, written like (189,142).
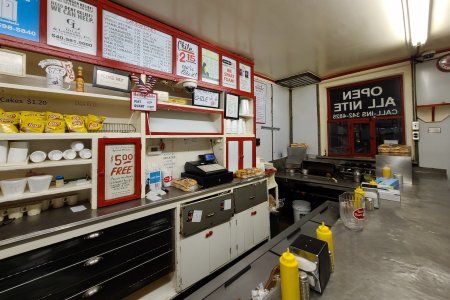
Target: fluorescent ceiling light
(418,14)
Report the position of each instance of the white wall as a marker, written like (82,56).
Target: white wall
(433,87)
(304,117)
(280,120)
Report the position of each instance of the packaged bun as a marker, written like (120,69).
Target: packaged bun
(75,123)
(94,123)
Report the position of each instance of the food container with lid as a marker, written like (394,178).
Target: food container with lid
(39,183)
(15,186)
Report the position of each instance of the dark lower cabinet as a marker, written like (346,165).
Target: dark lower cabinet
(108,264)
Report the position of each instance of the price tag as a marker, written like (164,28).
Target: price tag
(143,102)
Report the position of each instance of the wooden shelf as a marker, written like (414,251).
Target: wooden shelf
(70,187)
(247,135)
(188,136)
(46,164)
(25,90)
(186,108)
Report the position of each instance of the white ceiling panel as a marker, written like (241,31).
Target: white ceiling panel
(287,37)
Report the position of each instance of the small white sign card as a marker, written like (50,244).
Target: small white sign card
(210,66)
(206,98)
(229,72)
(187,59)
(72,25)
(231,106)
(143,102)
(245,78)
(260,95)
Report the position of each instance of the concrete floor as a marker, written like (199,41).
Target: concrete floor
(402,253)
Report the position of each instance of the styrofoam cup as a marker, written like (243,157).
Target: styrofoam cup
(3,151)
(77,145)
(85,153)
(38,156)
(69,154)
(55,155)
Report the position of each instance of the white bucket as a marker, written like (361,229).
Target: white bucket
(300,208)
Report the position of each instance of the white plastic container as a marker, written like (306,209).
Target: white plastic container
(18,152)
(300,208)
(3,151)
(15,186)
(38,184)
(38,156)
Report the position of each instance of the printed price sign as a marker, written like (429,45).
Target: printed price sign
(119,170)
(20,18)
(143,102)
(205,98)
(229,72)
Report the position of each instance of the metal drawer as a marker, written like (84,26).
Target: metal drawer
(82,247)
(206,213)
(50,280)
(250,195)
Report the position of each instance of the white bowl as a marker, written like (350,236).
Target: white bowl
(39,183)
(85,153)
(55,155)
(69,154)
(14,186)
(38,156)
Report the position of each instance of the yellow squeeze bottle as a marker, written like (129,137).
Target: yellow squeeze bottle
(386,172)
(324,233)
(359,196)
(290,285)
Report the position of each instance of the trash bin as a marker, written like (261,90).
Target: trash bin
(300,208)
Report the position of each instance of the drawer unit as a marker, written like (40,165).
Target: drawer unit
(206,213)
(75,271)
(250,195)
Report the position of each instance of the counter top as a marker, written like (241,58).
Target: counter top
(61,219)
(344,184)
(402,253)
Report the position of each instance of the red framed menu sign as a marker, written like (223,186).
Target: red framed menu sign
(119,170)
(210,66)
(187,59)
(229,78)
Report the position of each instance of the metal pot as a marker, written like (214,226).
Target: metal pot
(357,176)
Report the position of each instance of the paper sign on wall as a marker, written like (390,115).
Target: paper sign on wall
(210,66)
(245,82)
(143,102)
(119,170)
(72,25)
(20,18)
(228,72)
(260,94)
(187,59)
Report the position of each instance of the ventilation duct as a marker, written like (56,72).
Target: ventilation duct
(302,79)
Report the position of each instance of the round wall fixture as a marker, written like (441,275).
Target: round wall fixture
(443,63)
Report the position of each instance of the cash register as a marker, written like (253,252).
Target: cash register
(207,171)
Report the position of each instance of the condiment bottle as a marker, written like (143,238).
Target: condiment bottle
(386,171)
(323,233)
(359,197)
(290,285)
(79,81)
(59,181)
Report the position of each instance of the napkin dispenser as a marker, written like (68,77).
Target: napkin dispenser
(314,259)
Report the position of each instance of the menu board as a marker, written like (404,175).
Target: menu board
(210,66)
(131,42)
(245,82)
(120,164)
(229,72)
(260,95)
(187,59)
(72,25)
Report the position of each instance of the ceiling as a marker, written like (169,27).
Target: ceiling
(287,37)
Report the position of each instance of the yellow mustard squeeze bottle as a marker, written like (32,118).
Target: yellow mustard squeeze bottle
(290,285)
(359,197)
(324,233)
(386,172)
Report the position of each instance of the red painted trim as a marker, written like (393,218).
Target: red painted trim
(264,77)
(102,143)
(42,22)
(432,105)
(365,68)
(433,111)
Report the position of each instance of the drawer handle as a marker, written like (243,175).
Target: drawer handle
(210,215)
(93,261)
(208,234)
(254,213)
(93,235)
(252,197)
(92,291)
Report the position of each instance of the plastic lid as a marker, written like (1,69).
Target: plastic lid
(288,259)
(323,228)
(359,190)
(372,183)
(59,177)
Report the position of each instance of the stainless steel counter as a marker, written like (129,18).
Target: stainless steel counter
(402,253)
(63,219)
(340,184)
